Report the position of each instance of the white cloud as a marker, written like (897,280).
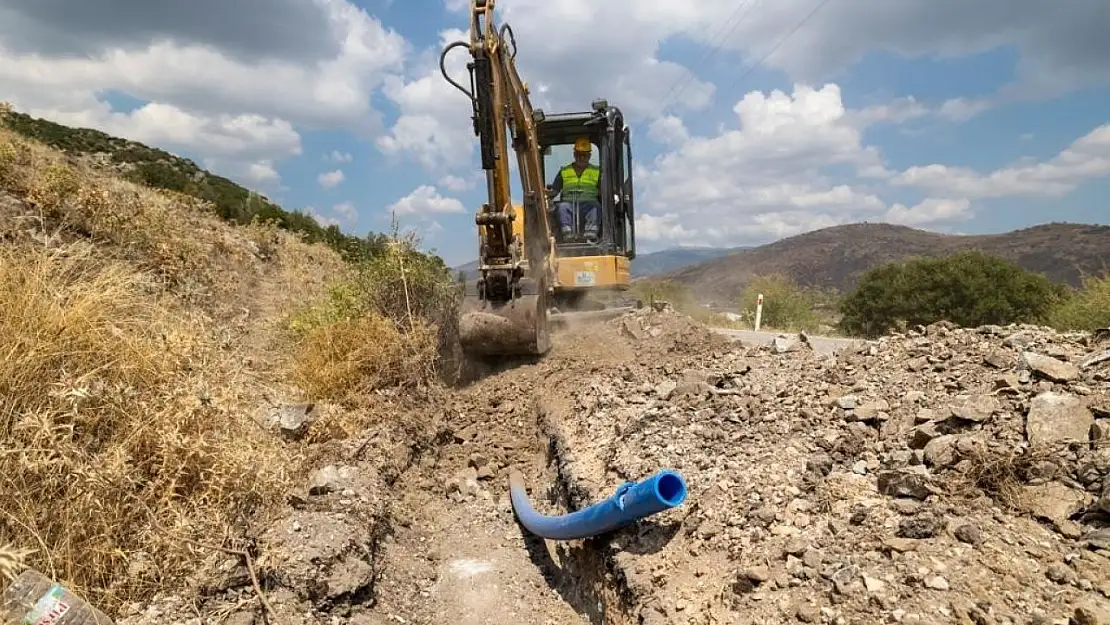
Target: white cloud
(322,219)
(262,172)
(568,64)
(666,228)
(930,212)
(1085,159)
(425,200)
(228,136)
(334,92)
(897,111)
(331,179)
(774,159)
(797,162)
(434,126)
(963,109)
(346,211)
(341,214)
(339,157)
(786,168)
(455,183)
(237,110)
(1061,47)
(668,130)
(244,146)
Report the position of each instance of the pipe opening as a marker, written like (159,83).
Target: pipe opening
(670,489)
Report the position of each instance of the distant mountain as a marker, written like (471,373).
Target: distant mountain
(651,264)
(656,263)
(837,256)
(470,269)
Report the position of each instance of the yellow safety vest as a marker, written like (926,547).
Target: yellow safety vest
(584,187)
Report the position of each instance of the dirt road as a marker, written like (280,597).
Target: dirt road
(821,344)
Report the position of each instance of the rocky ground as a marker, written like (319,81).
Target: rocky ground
(944,476)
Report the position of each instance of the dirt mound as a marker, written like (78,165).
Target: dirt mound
(666,332)
(936,477)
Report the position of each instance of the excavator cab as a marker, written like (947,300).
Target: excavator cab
(526,269)
(601,264)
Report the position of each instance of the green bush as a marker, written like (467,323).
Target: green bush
(969,289)
(413,291)
(786,304)
(1086,309)
(676,294)
(401,284)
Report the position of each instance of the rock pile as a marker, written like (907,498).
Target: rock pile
(942,476)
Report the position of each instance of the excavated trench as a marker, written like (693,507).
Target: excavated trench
(581,574)
(456,554)
(414,524)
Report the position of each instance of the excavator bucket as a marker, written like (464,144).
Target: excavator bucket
(515,328)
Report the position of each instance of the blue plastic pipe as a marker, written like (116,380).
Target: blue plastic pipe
(632,501)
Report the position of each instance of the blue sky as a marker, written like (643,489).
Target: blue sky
(784,116)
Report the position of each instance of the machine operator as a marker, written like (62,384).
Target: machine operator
(577,185)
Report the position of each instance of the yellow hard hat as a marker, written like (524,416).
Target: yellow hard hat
(583,145)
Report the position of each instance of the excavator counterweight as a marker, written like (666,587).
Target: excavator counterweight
(527,268)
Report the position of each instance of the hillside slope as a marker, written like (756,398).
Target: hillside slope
(141,334)
(836,257)
(159,169)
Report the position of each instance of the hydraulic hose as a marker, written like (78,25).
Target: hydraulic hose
(632,501)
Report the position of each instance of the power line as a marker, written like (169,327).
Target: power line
(781,41)
(715,48)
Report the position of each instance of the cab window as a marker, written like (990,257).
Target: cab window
(561,155)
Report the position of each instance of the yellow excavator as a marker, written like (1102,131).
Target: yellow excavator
(531,275)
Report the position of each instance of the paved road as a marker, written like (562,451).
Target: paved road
(822,344)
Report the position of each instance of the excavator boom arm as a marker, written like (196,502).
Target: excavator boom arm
(501,103)
(504,311)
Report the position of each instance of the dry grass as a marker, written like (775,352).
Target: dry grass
(351,358)
(112,446)
(1000,474)
(12,561)
(155,228)
(141,334)
(387,323)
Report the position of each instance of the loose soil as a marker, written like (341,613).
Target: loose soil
(944,476)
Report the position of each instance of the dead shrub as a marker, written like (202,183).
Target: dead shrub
(998,473)
(51,186)
(351,358)
(111,448)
